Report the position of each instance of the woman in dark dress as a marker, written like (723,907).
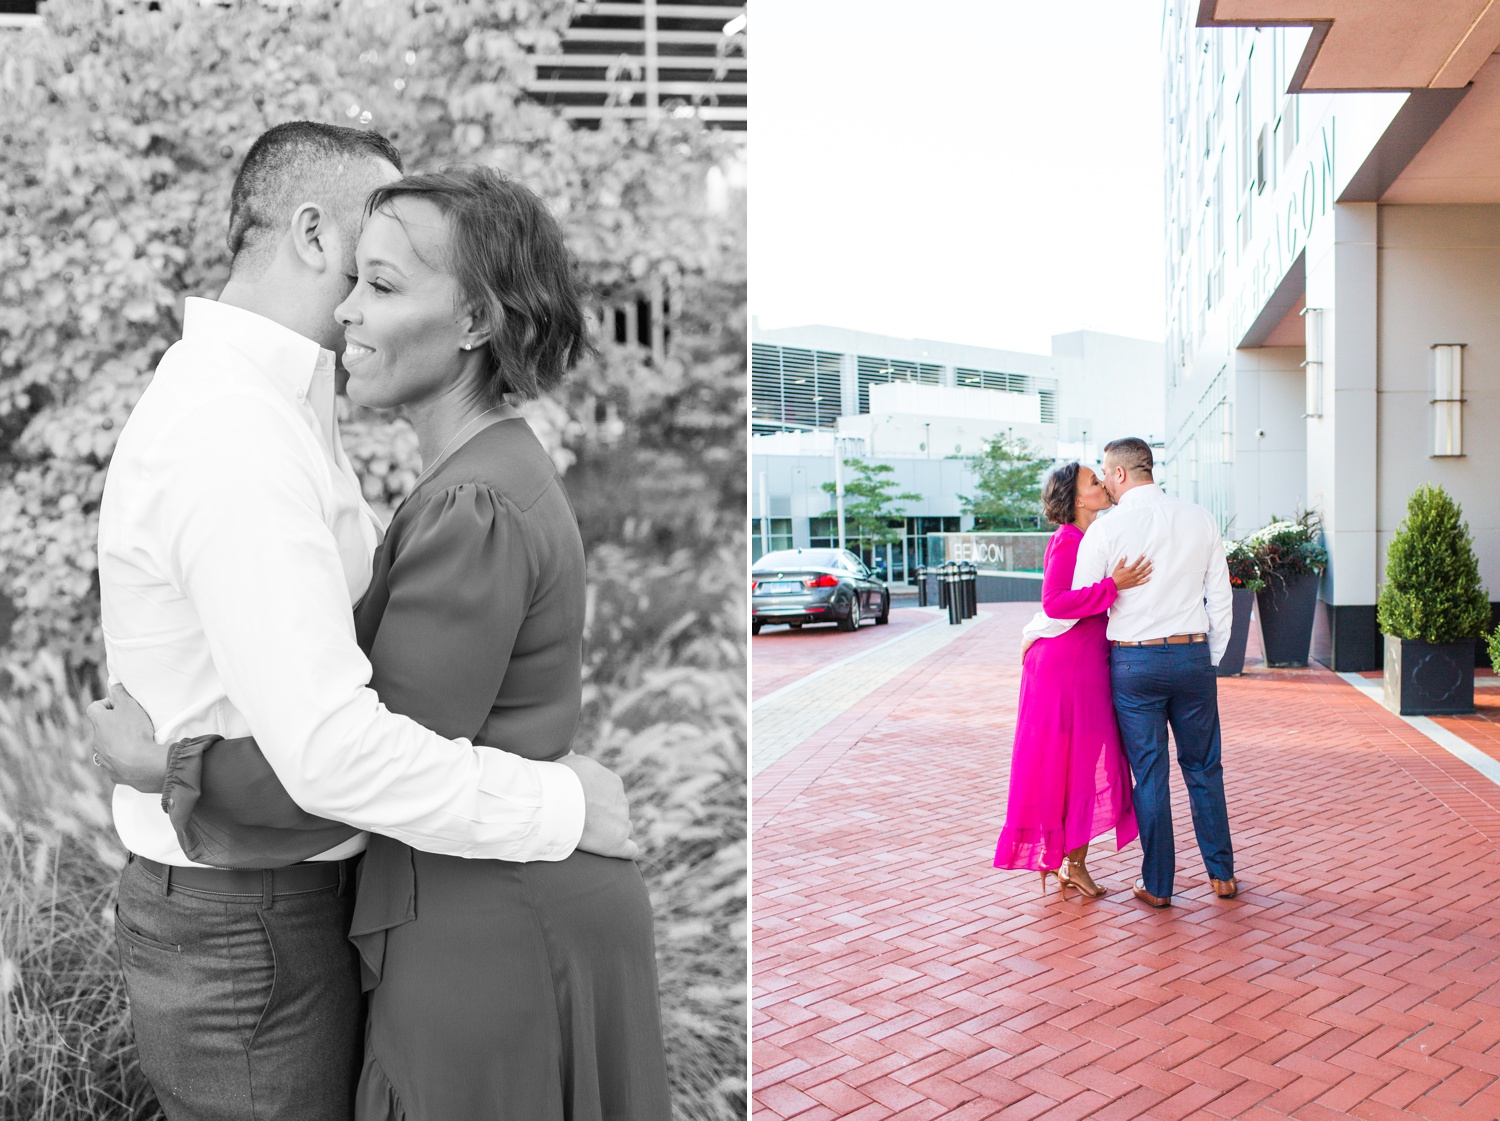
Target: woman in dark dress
(516,992)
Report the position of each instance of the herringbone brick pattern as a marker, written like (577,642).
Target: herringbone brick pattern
(898,975)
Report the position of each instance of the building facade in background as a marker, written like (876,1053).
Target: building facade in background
(1333,282)
(924,407)
(641,59)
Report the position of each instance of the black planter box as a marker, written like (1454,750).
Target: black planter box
(1429,678)
(1232,664)
(1286,608)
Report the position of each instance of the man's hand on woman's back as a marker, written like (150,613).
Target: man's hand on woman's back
(606,815)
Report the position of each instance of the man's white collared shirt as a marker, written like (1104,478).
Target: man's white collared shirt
(1188,592)
(233,542)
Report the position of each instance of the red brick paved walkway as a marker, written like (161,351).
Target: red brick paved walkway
(1483,728)
(898,975)
(781,656)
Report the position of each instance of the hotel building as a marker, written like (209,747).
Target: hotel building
(1333,282)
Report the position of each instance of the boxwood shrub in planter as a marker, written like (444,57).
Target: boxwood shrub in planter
(1244,581)
(1432,608)
(1291,562)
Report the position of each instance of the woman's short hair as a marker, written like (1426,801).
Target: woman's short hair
(514,272)
(1060,494)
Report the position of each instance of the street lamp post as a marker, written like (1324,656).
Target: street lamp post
(838,486)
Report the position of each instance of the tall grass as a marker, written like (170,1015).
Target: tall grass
(65,1047)
(664,706)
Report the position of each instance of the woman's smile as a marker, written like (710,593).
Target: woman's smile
(354,352)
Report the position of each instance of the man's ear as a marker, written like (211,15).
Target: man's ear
(314,238)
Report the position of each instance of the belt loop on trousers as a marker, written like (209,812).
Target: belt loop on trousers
(166,880)
(267,896)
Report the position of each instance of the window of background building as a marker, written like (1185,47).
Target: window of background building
(916,538)
(780,536)
(823,533)
(1291,127)
(880,371)
(1218,218)
(793,389)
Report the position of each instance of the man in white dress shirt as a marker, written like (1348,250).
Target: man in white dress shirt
(1166,637)
(233,541)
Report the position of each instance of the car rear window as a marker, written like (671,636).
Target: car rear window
(807,558)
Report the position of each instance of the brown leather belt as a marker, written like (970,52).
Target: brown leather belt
(263,883)
(1170,640)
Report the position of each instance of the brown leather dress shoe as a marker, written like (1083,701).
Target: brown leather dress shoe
(1146,897)
(1225,889)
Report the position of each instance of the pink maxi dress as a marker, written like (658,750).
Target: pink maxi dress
(1069,781)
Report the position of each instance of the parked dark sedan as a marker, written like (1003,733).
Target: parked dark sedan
(800,586)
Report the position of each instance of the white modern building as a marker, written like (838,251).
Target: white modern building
(1333,282)
(923,406)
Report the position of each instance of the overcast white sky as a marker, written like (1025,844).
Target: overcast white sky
(973,171)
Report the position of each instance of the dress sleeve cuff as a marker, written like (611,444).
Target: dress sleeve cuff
(183,784)
(560,826)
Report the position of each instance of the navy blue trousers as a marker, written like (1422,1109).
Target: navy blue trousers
(242,1011)
(1156,687)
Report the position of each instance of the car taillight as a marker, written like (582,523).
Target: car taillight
(824,581)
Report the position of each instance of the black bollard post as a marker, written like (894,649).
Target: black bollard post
(940,577)
(922,586)
(971,589)
(955,590)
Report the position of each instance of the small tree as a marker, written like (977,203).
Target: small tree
(1432,588)
(869,504)
(1008,484)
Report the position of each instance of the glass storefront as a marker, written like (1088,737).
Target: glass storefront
(778,536)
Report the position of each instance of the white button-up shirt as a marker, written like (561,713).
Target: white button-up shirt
(233,542)
(1188,592)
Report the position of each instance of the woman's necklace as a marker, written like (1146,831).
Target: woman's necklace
(426,471)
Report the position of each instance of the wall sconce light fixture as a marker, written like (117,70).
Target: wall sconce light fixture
(1448,399)
(1313,364)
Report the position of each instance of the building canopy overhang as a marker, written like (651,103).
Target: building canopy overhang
(1444,145)
(1374,44)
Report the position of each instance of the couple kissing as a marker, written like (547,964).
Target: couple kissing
(1122,650)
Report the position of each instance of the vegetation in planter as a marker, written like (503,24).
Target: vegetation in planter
(1432,589)
(1244,566)
(1289,546)
(1493,641)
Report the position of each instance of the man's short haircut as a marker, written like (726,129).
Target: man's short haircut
(1131,453)
(291,164)
(514,273)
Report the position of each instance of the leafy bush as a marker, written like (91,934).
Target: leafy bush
(1492,640)
(1432,590)
(1244,566)
(1289,547)
(120,131)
